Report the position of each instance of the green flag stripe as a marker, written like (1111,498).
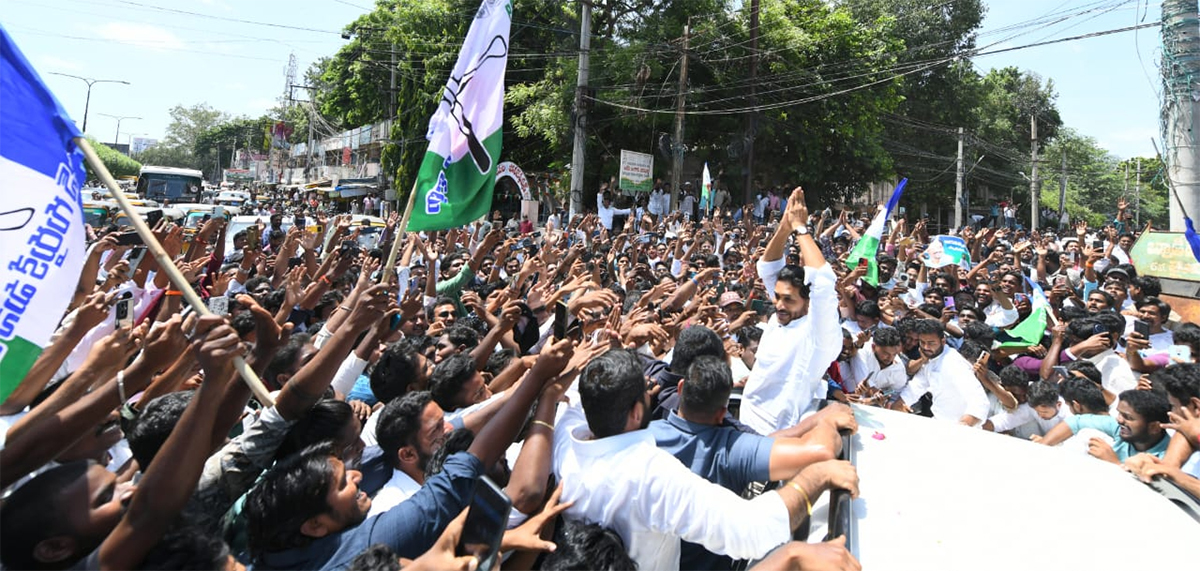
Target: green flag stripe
(468,194)
(19,356)
(1029,331)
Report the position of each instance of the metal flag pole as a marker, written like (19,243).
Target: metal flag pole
(167,264)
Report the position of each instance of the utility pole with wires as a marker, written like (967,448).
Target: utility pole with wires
(1137,193)
(579,150)
(958,185)
(1062,184)
(1033,178)
(1180,67)
(677,148)
(752,117)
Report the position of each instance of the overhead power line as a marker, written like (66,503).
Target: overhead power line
(932,64)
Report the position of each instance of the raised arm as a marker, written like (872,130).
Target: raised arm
(170,480)
(309,384)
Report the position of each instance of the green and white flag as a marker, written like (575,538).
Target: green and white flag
(42,246)
(867,248)
(454,185)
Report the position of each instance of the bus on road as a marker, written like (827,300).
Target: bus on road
(174,184)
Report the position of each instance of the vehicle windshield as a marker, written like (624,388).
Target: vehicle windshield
(95,216)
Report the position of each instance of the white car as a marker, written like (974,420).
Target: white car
(939,496)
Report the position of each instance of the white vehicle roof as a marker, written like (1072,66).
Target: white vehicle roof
(171,170)
(939,496)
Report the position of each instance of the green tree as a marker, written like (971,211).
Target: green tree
(920,134)
(1095,178)
(164,156)
(117,163)
(189,123)
(214,144)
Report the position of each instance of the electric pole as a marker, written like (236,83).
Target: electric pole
(752,118)
(392,91)
(958,185)
(1137,190)
(1181,64)
(1033,179)
(1062,185)
(580,148)
(677,148)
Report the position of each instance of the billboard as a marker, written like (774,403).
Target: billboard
(140,144)
(637,171)
(1165,255)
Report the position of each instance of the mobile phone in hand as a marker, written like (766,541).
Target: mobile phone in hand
(1180,352)
(135,258)
(560,320)
(219,305)
(123,311)
(130,238)
(1142,328)
(486,520)
(1060,374)
(153,217)
(254,237)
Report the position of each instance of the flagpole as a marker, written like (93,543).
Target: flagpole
(391,261)
(167,265)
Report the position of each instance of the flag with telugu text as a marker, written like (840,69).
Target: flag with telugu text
(41,217)
(455,182)
(867,247)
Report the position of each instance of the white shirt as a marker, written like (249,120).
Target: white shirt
(1025,416)
(607,212)
(1159,342)
(951,380)
(997,316)
(629,485)
(792,358)
(655,204)
(1115,374)
(865,367)
(398,489)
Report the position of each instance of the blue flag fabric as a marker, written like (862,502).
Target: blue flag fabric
(41,214)
(1192,239)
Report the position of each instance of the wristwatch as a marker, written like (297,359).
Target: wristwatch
(803,229)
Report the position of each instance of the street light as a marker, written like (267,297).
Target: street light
(117,137)
(90,82)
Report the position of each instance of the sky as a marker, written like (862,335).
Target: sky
(183,52)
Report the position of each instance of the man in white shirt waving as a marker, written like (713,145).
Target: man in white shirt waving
(604,206)
(795,349)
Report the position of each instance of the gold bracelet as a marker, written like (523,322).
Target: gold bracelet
(544,423)
(803,493)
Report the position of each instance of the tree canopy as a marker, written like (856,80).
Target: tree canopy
(847,94)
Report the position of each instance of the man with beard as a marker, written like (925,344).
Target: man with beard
(791,357)
(947,376)
(410,429)
(1140,416)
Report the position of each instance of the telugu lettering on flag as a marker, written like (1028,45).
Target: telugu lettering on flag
(41,216)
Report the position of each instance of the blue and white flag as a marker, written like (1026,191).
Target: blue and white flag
(41,215)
